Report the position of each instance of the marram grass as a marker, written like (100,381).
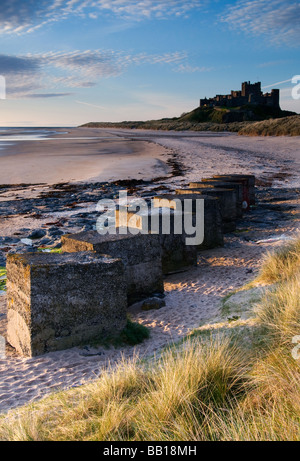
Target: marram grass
(214,389)
(281,264)
(134,402)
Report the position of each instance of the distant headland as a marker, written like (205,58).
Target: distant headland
(248,111)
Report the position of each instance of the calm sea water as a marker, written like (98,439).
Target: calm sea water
(27,134)
(12,135)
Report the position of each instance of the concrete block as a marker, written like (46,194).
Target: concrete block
(175,254)
(220,184)
(248,181)
(141,255)
(228,204)
(57,301)
(213,224)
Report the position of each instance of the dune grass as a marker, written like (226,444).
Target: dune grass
(213,120)
(169,401)
(286,126)
(281,264)
(209,387)
(173,124)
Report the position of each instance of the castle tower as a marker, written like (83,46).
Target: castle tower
(251,89)
(275,98)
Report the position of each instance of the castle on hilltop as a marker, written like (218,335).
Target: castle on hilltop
(249,94)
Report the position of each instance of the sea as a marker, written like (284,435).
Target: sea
(8,134)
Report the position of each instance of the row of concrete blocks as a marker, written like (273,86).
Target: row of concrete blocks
(58,301)
(235,193)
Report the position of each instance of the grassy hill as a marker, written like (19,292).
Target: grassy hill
(234,114)
(243,120)
(287,126)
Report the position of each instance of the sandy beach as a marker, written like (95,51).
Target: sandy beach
(80,155)
(193,298)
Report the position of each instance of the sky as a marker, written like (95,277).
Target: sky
(69,62)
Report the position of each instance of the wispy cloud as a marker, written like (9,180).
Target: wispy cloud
(187,68)
(278,20)
(18,64)
(47,95)
(17,16)
(53,73)
(148,8)
(273,63)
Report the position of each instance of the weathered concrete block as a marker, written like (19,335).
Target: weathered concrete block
(220,184)
(141,255)
(228,204)
(175,253)
(57,301)
(248,182)
(213,224)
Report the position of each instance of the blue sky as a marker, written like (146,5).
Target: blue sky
(75,61)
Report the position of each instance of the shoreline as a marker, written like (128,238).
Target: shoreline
(193,298)
(81,156)
(288,124)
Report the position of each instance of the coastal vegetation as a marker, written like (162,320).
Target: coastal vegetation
(287,126)
(2,278)
(238,381)
(245,120)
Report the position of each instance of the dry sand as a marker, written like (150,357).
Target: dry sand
(193,298)
(274,160)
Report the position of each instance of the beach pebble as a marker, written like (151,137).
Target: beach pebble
(54,232)
(37,234)
(45,241)
(9,240)
(27,241)
(153,303)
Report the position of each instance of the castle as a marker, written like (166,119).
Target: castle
(249,94)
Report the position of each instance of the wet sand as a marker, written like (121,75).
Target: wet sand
(82,155)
